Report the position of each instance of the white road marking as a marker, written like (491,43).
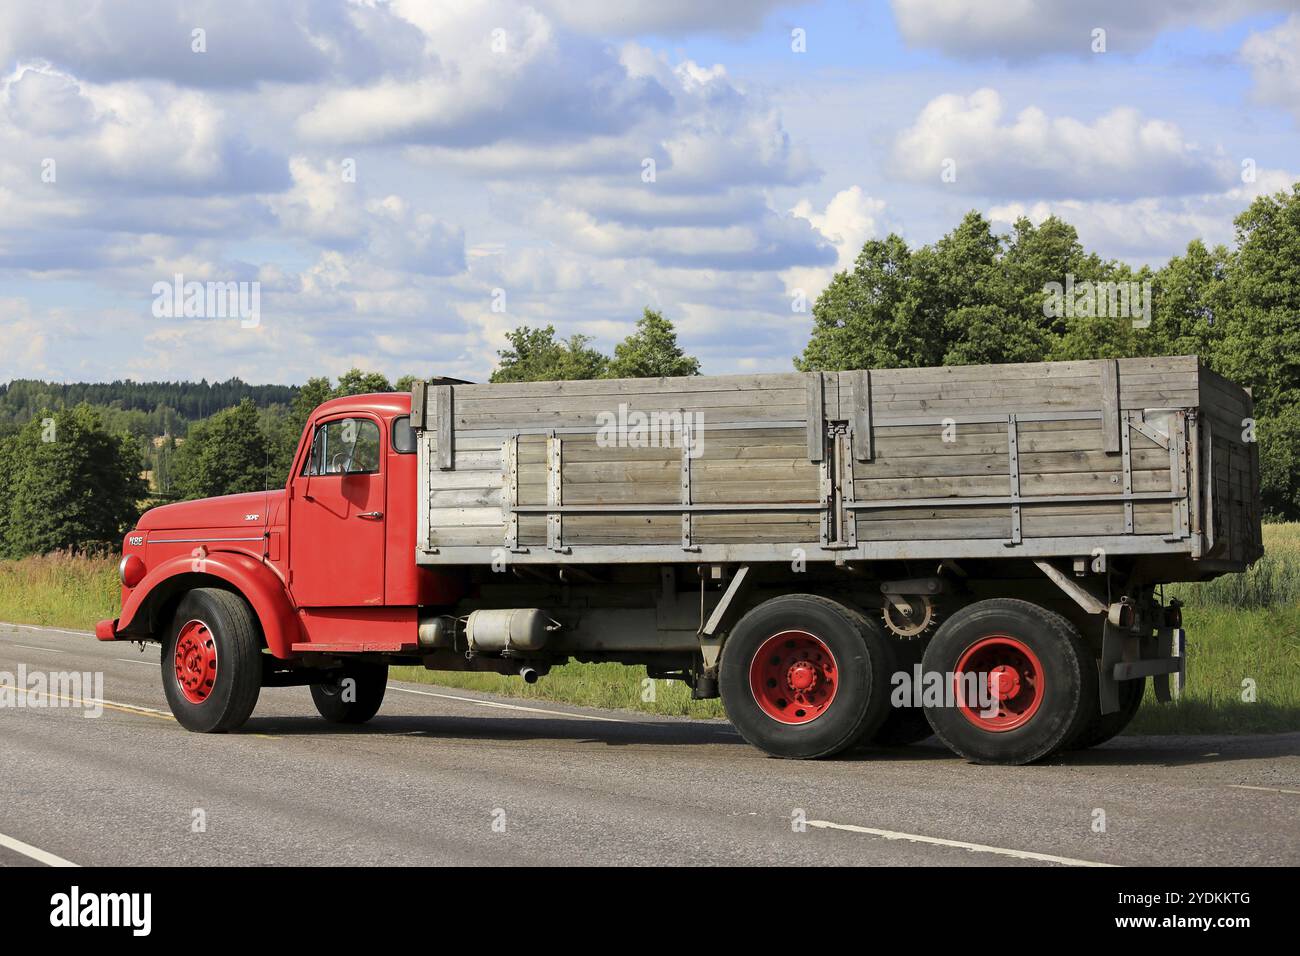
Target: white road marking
(128,660)
(958,844)
(32,852)
(34,647)
(1242,786)
(494,703)
(37,627)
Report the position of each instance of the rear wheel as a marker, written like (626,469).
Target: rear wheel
(805,677)
(1100,727)
(212,661)
(353,694)
(1017,681)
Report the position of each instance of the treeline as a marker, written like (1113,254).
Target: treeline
(23,399)
(72,478)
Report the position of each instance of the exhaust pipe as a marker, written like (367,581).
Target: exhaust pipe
(528,674)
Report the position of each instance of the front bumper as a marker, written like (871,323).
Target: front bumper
(106,630)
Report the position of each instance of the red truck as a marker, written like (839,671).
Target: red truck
(842,557)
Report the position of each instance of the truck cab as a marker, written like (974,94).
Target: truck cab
(325,561)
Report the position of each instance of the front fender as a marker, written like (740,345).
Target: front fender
(258,584)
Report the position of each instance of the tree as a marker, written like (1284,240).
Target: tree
(71,484)
(651,351)
(1190,308)
(1260,345)
(874,316)
(357,382)
(224,455)
(535,355)
(284,443)
(1261,341)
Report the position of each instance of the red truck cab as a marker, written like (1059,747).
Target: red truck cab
(326,561)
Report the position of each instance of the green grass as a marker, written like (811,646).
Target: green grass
(1225,648)
(614,686)
(1239,627)
(1272,581)
(59,590)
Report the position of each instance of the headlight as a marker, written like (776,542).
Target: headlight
(131,570)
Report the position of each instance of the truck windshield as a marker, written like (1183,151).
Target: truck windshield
(345,446)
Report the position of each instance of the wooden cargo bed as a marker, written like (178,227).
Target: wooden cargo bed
(1136,456)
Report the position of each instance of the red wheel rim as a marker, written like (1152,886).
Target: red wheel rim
(196,661)
(794,677)
(1012,676)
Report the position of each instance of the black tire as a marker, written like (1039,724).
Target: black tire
(903,725)
(1068,678)
(858,669)
(370,682)
(1100,727)
(220,624)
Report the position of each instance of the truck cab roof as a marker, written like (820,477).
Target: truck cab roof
(385,403)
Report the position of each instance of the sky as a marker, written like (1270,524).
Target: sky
(402,182)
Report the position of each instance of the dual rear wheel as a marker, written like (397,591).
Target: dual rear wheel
(1009,682)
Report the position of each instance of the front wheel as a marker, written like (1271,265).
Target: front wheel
(1017,682)
(805,677)
(352,694)
(212,661)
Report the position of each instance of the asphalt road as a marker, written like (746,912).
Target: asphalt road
(446,776)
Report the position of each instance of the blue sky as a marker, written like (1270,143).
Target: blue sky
(500,151)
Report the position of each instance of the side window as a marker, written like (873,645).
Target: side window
(346,446)
(403,436)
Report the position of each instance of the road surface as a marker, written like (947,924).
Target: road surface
(445,776)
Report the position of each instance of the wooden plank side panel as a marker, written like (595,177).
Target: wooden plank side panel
(768,465)
(934,524)
(769,528)
(1157,382)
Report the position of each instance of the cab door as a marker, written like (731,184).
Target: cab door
(337,521)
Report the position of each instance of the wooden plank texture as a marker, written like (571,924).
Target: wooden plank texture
(760,441)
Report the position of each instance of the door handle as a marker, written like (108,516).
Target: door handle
(372,515)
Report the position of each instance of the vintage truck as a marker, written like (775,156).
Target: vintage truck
(844,557)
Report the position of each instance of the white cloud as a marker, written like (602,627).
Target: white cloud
(665,17)
(1150,230)
(152,140)
(1274,59)
(848,221)
(493,71)
(1118,155)
(328,208)
(1027,29)
(247,41)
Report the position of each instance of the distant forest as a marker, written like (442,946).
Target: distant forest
(23,399)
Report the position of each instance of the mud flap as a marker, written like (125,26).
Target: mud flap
(1171,642)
